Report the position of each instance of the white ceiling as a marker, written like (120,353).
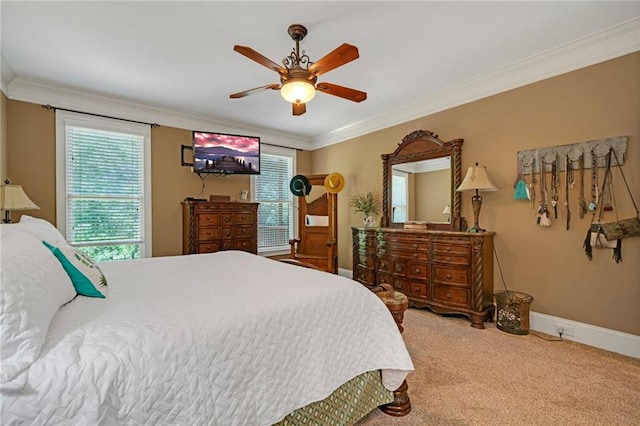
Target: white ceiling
(177,56)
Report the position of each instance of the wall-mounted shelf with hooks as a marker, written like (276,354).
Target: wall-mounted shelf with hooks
(530,160)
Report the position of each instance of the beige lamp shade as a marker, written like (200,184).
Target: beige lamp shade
(446,210)
(477,178)
(12,197)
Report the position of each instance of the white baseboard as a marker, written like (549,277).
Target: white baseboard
(345,272)
(603,338)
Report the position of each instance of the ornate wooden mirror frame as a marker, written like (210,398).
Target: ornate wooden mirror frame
(417,146)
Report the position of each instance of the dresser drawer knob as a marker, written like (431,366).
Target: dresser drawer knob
(398,268)
(417,270)
(416,289)
(415,246)
(448,295)
(415,255)
(448,259)
(449,276)
(448,248)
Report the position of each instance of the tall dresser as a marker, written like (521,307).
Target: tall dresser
(210,226)
(445,271)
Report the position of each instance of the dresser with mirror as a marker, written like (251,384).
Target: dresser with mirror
(422,248)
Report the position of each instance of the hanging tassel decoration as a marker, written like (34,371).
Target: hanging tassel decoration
(617,252)
(588,250)
(544,219)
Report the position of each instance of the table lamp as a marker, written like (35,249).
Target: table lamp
(478,179)
(447,211)
(12,197)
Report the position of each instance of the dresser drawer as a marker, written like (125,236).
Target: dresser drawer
(209,247)
(385,264)
(450,295)
(451,276)
(245,245)
(228,232)
(418,270)
(414,289)
(243,218)
(449,248)
(206,234)
(364,275)
(393,244)
(416,255)
(208,219)
(451,259)
(244,231)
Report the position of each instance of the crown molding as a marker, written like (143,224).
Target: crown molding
(6,74)
(39,92)
(610,43)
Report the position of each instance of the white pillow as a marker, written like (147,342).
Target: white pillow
(33,287)
(86,276)
(313,220)
(41,229)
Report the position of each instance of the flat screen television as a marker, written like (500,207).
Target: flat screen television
(226,154)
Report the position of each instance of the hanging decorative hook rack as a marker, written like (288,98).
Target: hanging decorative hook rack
(591,151)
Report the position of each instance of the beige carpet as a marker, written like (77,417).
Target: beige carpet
(465,376)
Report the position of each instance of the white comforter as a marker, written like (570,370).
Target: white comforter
(224,339)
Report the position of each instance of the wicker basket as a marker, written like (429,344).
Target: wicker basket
(512,311)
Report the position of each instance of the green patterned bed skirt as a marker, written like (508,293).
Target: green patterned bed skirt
(346,405)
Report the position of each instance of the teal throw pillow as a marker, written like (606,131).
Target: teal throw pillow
(85,275)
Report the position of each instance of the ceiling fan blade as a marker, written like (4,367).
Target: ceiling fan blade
(342,92)
(262,60)
(299,109)
(334,59)
(255,90)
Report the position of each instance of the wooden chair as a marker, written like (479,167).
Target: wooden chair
(317,242)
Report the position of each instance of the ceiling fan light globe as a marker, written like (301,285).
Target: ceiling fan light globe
(298,91)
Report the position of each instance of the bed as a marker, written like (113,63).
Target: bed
(221,338)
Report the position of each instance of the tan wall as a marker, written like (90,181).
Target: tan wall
(434,195)
(549,263)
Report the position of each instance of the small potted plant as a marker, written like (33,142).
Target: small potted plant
(368,204)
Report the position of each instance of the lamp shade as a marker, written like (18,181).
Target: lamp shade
(12,197)
(477,178)
(298,91)
(446,210)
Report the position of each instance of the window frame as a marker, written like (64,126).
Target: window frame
(68,118)
(405,176)
(267,149)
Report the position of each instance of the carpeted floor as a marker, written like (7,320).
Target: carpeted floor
(465,376)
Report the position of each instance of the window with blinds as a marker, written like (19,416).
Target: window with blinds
(102,183)
(271,189)
(399,195)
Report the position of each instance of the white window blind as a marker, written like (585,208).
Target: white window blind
(271,190)
(103,188)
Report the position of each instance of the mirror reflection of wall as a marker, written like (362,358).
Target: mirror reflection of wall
(434,195)
(421,191)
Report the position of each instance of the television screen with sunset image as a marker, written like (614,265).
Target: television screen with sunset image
(226,154)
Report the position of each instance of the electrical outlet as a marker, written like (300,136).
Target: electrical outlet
(564,330)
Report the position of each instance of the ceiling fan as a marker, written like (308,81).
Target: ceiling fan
(298,75)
